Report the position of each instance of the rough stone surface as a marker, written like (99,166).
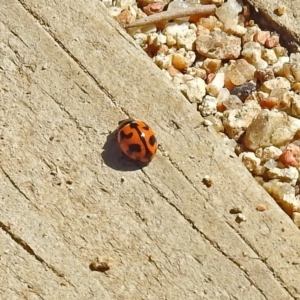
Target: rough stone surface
(68,74)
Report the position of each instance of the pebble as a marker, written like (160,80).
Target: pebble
(240,218)
(284,194)
(290,155)
(182,60)
(261,207)
(289,175)
(219,45)
(216,84)
(290,71)
(270,128)
(208,106)
(211,65)
(252,53)
(250,160)
(270,152)
(195,89)
(186,39)
(269,56)
(237,120)
(239,71)
(244,91)
(261,37)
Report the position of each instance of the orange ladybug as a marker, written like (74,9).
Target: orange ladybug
(137,140)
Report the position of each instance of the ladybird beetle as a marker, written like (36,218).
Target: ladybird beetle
(137,140)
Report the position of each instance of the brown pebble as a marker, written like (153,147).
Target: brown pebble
(235,210)
(207,181)
(272,41)
(100,264)
(281,9)
(261,37)
(261,207)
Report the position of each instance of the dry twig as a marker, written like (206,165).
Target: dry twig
(174,14)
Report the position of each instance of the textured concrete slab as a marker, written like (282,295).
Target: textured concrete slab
(69,73)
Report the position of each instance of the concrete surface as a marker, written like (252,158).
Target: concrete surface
(69,73)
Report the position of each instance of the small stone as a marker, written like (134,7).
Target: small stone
(153,8)
(281,9)
(216,84)
(290,155)
(252,53)
(208,23)
(270,164)
(182,60)
(261,207)
(196,90)
(284,195)
(186,38)
(280,51)
(270,152)
(271,128)
(295,104)
(239,71)
(211,65)
(125,17)
(100,264)
(235,210)
(261,37)
(268,102)
(250,161)
(295,58)
(163,61)
(244,91)
(272,41)
(279,64)
(264,74)
(232,102)
(196,72)
(290,71)
(276,83)
(219,45)
(249,35)
(207,181)
(237,30)
(289,175)
(171,30)
(240,218)
(208,106)
(215,122)
(228,12)
(236,121)
(269,56)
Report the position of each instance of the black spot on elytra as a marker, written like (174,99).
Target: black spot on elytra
(123,135)
(152,140)
(135,148)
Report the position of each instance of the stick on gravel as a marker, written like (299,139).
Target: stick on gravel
(174,14)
